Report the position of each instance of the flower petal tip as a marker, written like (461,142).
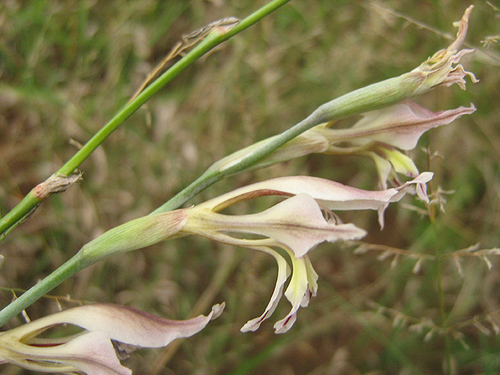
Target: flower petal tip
(217,310)
(285,324)
(251,326)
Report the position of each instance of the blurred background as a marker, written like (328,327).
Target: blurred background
(66,67)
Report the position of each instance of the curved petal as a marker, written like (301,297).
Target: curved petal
(134,327)
(421,189)
(298,293)
(462,25)
(283,274)
(400,125)
(312,280)
(120,323)
(93,353)
(333,195)
(297,223)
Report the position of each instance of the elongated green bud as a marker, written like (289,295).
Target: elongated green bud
(135,234)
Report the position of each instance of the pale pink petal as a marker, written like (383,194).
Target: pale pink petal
(92,353)
(418,183)
(121,323)
(131,326)
(333,195)
(400,125)
(336,196)
(283,273)
(284,325)
(422,192)
(330,194)
(297,223)
(457,73)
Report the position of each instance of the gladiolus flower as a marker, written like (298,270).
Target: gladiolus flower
(380,133)
(296,225)
(108,333)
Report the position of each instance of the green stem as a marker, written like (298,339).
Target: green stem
(68,269)
(31,201)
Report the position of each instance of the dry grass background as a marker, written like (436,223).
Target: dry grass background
(66,67)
